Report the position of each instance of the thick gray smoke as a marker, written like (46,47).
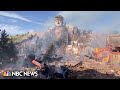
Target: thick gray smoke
(36,45)
(99,41)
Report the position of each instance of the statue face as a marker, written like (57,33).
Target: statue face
(58,22)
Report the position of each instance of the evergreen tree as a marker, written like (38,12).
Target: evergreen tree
(3,41)
(49,53)
(12,50)
(8,50)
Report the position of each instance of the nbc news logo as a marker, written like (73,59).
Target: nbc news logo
(7,73)
(20,73)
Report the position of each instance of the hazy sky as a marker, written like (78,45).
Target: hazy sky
(16,22)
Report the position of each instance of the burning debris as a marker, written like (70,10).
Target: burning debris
(67,52)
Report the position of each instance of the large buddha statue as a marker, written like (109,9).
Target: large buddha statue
(60,30)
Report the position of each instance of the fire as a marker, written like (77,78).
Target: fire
(106,54)
(103,54)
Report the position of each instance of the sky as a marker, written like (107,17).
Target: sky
(18,22)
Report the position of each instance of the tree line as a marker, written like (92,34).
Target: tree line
(8,50)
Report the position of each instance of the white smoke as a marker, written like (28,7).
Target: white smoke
(99,41)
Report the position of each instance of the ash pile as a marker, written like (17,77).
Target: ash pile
(54,69)
(87,69)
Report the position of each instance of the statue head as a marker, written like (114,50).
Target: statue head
(59,20)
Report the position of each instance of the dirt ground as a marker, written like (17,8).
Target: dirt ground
(91,69)
(86,69)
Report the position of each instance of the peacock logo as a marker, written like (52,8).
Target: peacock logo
(7,73)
